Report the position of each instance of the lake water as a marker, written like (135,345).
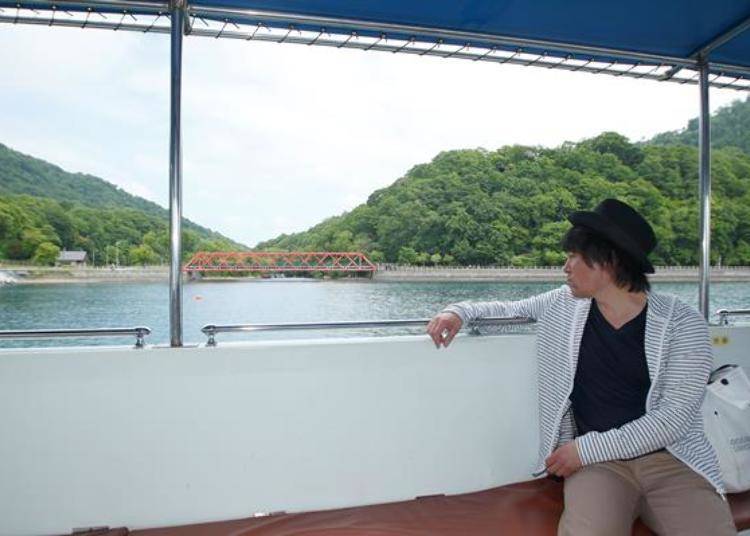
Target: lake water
(268,301)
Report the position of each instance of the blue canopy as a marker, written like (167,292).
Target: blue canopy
(676,28)
(663,32)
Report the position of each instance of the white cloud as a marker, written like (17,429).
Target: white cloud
(277,138)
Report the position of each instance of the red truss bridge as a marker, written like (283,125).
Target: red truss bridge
(282,261)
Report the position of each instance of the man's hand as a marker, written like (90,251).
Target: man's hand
(564,461)
(443,327)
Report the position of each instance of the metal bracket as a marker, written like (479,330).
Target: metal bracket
(724,315)
(210,332)
(140,334)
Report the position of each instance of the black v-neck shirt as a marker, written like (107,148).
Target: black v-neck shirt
(611,381)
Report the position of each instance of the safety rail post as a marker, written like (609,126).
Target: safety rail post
(177,21)
(211,330)
(140,333)
(724,315)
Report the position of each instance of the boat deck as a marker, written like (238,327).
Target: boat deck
(163,437)
(532,507)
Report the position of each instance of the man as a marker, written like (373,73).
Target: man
(622,375)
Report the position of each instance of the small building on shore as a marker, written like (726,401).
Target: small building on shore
(72,258)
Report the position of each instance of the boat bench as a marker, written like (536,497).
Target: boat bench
(526,508)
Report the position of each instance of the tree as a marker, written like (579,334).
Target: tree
(524,260)
(31,238)
(342,241)
(159,242)
(46,254)
(143,255)
(618,145)
(448,259)
(122,251)
(376,256)
(422,258)
(407,255)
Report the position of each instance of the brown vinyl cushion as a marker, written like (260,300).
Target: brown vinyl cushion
(740,505)
(526,508)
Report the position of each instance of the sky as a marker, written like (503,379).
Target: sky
(277,138)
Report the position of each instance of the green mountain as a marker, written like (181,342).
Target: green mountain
(44,209)
(509,206)
(464,207)
(729,128)
(23,174)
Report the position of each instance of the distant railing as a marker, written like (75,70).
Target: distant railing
(212,330)
(383,266)
(386,267)
(724,315)
(139,333)
(14,263)
(29,266)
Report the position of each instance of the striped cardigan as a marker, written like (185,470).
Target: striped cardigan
(679,356)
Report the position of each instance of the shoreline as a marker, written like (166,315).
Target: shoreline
(677,276)
(41,276)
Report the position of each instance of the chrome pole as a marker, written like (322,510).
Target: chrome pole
(704,146)
(177,21)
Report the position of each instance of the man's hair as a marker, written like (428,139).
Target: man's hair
(627,271)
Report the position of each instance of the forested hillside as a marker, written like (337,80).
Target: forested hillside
(24,174)
(730,127)
(44,209)
(479,207)
(509,206)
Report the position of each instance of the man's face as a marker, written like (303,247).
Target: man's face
(584,280)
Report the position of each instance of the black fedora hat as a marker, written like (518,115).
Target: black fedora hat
(623,226)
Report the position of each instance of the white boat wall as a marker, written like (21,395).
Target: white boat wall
(161,436)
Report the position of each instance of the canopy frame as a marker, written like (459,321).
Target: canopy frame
(273,26)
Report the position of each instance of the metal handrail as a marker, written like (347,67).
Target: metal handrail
(724,315)
(139,332)
(211,330)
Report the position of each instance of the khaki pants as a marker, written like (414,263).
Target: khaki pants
(606,498)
